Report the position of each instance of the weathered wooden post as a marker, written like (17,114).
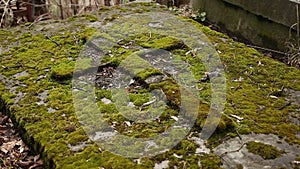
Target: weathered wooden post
(29,8)
(297,2)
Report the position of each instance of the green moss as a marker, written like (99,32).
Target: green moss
(77,137)
(143,75)
(132,4)
(64,70)
(83,64)
(211,161)
(244,130)
(139,99)
(264,150)
(50,61)
(111,18)
(91,18)
(59,95)
(121,8)
(108,108)
(103,94)
(159,42)
(103,9)
(187,147)
(171,90)
(9,98)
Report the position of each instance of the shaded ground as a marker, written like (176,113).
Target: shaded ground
(13,151)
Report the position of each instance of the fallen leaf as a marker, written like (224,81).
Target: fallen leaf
(7,147)
(36,158)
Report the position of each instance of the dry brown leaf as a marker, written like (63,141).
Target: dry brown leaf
(7,147)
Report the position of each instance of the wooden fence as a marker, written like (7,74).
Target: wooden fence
(61,9)
(31,10)
(13,11)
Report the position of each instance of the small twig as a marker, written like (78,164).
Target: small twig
(249,118)
(61,9)
(48,37)
(81,89)
(147,104)
(237,132)
(266,49)
(48,52)
(290,30)
(96,4)
(233,151)
(38,19)
(150,36)
(284,106)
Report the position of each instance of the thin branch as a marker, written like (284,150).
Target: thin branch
(267,49)
(297,9)
(290,30)
(39,18)
(233,151)
(5,11)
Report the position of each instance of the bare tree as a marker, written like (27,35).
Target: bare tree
(7,16)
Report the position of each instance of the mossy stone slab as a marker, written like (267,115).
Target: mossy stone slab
(41,104)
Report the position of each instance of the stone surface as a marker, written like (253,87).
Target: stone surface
(264,23)
(279,11)
(42,107)
(237,153)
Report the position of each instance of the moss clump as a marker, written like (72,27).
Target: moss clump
(91,18)
(143,75)
(111,18)
(63,70)
(139,99)
(83,64)
(77,137)
(160,42)
(210,161)
(264,150)
(103,9)
(102,94)
(48,56)
(171,89)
